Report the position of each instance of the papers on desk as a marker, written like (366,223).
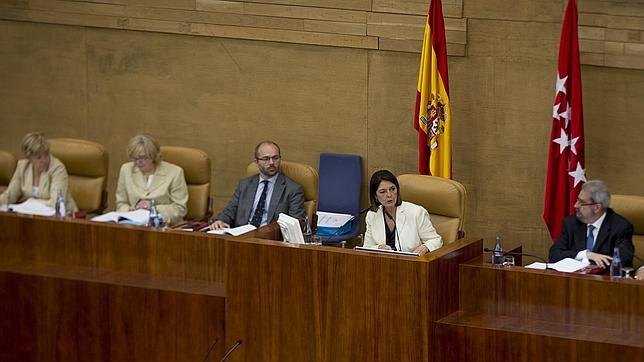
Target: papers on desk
(32,207)
(332,220)
(233,231)
(536,265)
(136,217)
(567,265)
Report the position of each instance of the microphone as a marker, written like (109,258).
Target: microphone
(230,350)
(518,254)
(212,345)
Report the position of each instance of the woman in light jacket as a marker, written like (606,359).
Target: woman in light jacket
(394,224)
(146,178)
(38,176)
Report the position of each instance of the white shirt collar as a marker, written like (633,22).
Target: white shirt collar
(598,223)
(271,179)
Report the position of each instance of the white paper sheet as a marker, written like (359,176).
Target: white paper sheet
(33,207)
(136,217)
(332,220)
(568,265)
(233,231)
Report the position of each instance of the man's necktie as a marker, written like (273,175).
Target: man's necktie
(261,205)
(590,239)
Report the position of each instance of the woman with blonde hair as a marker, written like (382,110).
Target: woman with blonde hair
(38,176)
(146,178)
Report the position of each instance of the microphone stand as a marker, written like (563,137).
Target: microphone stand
(234,347)
(212,345)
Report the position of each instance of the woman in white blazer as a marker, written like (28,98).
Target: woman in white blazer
(396,224)
(147,178)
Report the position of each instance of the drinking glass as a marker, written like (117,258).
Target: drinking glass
(508,261)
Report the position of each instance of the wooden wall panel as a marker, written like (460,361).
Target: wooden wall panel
(261,20)
(336,4)
(328,22)
(451,8)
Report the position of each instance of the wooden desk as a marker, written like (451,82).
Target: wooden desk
(514,314)
(76,290)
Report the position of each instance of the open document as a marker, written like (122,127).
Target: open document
(233,231)
(136,217)
(32,207)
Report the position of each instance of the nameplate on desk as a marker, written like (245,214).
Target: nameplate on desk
(386,251)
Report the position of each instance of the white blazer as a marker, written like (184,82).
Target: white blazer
(412,224)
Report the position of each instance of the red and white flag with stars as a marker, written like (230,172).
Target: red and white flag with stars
(566,163)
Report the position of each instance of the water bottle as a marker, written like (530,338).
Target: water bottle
(307,230)
(497,253)
(60,206)
(616,265)
(155,219)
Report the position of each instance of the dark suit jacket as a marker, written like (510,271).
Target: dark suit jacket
(287,197)
(615,231)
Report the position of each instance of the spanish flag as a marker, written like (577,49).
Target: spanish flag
(433,115)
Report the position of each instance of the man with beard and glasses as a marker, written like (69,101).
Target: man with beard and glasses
(595,230)
(259,199)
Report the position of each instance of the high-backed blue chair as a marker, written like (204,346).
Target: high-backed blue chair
(339,190)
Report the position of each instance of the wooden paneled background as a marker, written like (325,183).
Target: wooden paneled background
(329,76)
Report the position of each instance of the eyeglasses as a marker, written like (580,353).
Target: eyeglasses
(383,192)
(268,158)
(140,158)
(581,203)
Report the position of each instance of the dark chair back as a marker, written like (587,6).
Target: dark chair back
(340,186)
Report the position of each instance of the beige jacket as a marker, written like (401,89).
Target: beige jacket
(52,181)
(168,188)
